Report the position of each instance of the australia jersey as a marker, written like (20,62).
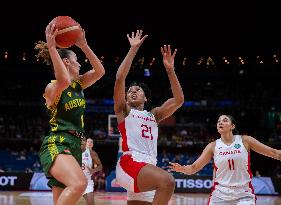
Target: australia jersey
(232,163)
(68,110)
(139,133)
(87,161)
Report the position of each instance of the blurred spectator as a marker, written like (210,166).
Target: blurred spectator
(257,174)
(36,166)
(277,171)
(99,179)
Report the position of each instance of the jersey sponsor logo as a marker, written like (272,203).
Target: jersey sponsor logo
(230,152)
(237,146)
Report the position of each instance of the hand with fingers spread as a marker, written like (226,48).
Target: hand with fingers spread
(51,33)
(168,57)
(136,39)
(81,41)
(187,169)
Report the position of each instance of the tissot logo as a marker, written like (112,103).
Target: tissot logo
(7,180)
(194,183)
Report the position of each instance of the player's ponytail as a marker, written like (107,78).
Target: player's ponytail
(43,52)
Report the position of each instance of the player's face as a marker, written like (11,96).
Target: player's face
(90,143)
(224,124)
(73,65)
(135,96)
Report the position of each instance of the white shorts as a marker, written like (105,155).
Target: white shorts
(128,168)
(90,187)
(222,195)
(141,196)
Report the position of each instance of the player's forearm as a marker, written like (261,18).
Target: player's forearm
(60,70)
(94,60)
(125,66)
(176,87)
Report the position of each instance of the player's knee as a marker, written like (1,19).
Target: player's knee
(168,182)
(80,185)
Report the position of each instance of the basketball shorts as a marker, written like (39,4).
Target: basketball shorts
(55,144)
(147,196)
(90,187)
(222,195)
(128,168)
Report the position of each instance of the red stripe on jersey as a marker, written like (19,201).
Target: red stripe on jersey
(253,191)
(132,168)
(249,164)
(213,189)
(122,129)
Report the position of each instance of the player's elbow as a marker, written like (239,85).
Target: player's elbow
(180,100)
(101,72)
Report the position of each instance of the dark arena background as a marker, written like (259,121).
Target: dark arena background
(228,61)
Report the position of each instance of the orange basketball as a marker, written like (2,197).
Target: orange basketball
(69,31)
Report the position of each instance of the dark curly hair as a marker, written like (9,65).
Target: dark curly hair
(147,93)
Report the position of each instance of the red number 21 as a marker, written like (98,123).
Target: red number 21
(146,132)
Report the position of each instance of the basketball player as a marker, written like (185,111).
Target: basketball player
(60,152)
(232,173)
(90,164)
(136,169)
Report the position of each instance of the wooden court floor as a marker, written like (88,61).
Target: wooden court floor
(106,198)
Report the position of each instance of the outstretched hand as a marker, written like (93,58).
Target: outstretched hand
(136,39)
(168,57)
(81,41)
(179,168)
(51,33)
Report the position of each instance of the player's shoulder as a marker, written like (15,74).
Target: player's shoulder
(211,146)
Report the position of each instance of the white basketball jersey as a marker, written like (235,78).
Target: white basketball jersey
(139,133)
(87,162)
(232,163)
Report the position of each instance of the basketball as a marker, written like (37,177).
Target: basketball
(69,31)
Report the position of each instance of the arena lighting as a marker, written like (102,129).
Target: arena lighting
(6,55)
(241,60)
(101,59)
(116,59)
(210,61)
(200,61)
(225,60)
(184,61)
(275,58)
(23,57)
(152,61)
(141,63)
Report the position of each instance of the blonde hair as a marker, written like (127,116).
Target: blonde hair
(43,52)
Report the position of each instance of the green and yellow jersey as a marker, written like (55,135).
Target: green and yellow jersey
(68,110)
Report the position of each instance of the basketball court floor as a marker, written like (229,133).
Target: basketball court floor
(114,198)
